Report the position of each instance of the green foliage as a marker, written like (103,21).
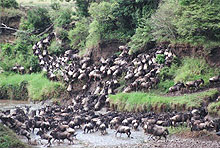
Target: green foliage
(194,22)
(8,13)
(194,69)
(38,87)
(62,17)
(165,85)
(162,21)
(82,7)
(191,69)
(55,6)
(198,21)
(78,35)
(55,48)
(160,58)
(152,102)
(8,4)
(37,19)
(61,33)
(19,53)
(141,37)
(214,108)
(8,139)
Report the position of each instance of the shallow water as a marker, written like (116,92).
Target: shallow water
(137,139)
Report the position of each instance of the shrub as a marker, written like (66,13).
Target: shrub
(55,6)
(160,58)
(55,48)
(8,4)
(19,53)
(62,17)
(61,33)
(37,19)
(198,22)
(162,21)
(78,35)
(141,37)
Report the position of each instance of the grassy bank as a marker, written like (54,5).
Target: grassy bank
(139,102)
(189,69)
(33,86)
(214,108)
(8,139)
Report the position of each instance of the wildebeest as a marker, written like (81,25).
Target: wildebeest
(156,130)
(123,129)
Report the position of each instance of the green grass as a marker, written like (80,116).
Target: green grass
(193,69)
(38,86)
(189,70)
(138,101)
(177,130)
(214,108)
(8,139)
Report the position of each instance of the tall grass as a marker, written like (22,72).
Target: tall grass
(138,101)
(38,86)
(193,69)
(214,108)
(189,70)
(8,139)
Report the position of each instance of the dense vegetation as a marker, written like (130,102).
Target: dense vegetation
(189,69)
(8,139)
(34,86)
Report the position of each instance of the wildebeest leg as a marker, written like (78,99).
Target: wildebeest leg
(150,137)
(41,142)
(165,138)
(158,138)
(116,133)
(128,133)
(70,140)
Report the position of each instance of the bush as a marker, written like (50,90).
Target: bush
(8,4)
(55,6)
(55,48)
(198,22)
(19,53)
(62,17)
(160,58)
(141,37)
(61,33)
(78,35)
(162,21)
(37,19)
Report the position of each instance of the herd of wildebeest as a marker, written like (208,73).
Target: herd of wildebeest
(98,80)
